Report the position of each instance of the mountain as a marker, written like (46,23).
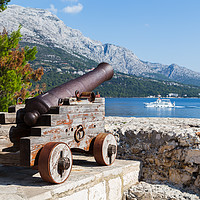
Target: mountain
(61,66)
(43,28)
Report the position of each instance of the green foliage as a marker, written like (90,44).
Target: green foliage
(10,83)
(3,4)
(30,53)
(8,43)
(15,72)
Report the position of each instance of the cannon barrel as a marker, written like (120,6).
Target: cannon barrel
(86,83)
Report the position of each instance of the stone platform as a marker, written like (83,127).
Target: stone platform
(87,181)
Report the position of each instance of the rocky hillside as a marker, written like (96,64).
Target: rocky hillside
(61,66)
(42,27)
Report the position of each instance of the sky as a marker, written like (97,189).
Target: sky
(158,31)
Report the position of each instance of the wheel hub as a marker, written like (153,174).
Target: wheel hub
(111,150)
(63,164)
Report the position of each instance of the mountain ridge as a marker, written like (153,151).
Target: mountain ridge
(43,27)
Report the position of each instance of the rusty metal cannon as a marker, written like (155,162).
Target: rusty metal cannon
(86,83)
(65,119)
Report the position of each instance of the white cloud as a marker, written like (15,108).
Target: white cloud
(73,9)
(52,9)
(147,25)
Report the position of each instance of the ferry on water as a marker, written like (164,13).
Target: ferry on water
(161,103)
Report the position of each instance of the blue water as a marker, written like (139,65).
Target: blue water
(134,107)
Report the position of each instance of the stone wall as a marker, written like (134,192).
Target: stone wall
(169,148)
(158,191)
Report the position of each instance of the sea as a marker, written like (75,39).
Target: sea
(134,107)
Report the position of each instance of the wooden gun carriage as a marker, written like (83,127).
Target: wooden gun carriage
(53,125)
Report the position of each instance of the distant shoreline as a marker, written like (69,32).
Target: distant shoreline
(156,97)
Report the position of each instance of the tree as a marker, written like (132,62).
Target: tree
(15,71)
(3,4)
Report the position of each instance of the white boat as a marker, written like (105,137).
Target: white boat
(161,103)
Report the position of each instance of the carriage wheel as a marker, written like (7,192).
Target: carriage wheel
(55,162)
(105,149)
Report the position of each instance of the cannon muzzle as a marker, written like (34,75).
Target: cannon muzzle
(86,83)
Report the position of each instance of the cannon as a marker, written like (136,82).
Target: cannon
(53,125)
(86,83)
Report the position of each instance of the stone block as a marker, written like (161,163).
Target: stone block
(113,172)
(168,147)
(164,162)
(81,195)
(130,178)
(191,169)
(7,118)
(5,128)
(72,182)
(197,182)
(10,197)
(193,156)
(158,177)
(4,189)
(98,191)
(179,177)
(115,189)
(43,196)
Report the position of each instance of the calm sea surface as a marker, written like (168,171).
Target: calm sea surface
(134,107)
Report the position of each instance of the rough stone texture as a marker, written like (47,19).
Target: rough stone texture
(83,194)
(169,148)
(157,191)
(4,135)
(115,188)
(98,191)
(128,177)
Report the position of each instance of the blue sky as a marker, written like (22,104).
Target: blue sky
(163,31)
